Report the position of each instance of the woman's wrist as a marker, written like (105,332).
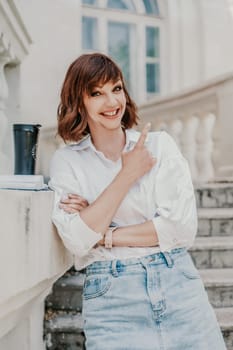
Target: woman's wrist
(138,235)
(118,238)
(126,179)
(108,238)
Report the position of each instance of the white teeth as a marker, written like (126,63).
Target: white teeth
(110,114)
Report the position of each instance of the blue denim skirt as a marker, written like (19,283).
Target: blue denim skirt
(157,302)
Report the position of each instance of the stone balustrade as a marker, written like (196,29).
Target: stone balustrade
(32,258)
(200,120)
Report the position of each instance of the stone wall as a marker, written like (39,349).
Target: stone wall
(32,258)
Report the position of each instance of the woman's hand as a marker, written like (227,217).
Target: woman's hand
(101,242)
(73,203)
(139,160)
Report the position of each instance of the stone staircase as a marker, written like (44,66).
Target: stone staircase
(212,253)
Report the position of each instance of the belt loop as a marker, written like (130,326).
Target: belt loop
(114,268)
(168,258)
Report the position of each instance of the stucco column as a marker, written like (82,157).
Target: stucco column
(5,57)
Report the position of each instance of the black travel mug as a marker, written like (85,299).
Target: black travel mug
(25,145)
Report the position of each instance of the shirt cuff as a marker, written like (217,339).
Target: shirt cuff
(77,237)
(166,233)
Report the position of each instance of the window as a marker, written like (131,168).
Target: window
(151,7)
(129,31)
(121,4)
(89,30)
(119,46)
(152,60)
(152,78)
(152,41)
(89,2)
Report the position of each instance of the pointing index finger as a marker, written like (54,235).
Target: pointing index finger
(143,135)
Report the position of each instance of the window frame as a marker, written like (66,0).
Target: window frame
(141,21)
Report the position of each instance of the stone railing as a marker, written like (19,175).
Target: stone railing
(200,120)
(14,43)
(32,257)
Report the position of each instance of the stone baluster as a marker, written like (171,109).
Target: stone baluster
(153,126)
(5,57)
(175,130)
(189,144)
(161,126)
(205,147)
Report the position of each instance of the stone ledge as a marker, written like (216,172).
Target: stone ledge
(215,213)
(32,258)
(214,185)
(27,241)
(63,322)
(71,282)
(66,294)
(213,243)
(217,277)
(225,318)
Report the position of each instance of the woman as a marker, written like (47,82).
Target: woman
(125,207)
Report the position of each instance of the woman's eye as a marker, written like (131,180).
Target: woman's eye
(118,88)
(95,93)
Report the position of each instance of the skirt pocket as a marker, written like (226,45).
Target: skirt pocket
(96,285)
(186,266)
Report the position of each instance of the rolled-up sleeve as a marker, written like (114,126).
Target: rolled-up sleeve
(176,216)
(77,237)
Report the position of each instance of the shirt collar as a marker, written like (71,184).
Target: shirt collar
(82,144)
(132,137)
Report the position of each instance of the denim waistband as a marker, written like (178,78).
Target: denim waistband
(120,264)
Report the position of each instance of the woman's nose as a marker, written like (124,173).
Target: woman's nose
(111,100)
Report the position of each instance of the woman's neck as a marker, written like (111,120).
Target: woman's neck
(111,143)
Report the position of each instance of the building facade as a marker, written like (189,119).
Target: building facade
(177,59)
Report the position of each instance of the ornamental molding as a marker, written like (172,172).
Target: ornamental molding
(14,37)
(6,51)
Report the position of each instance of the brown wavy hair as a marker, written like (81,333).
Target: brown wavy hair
(84,74)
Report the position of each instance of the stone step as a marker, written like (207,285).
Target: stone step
(219,286)
(215,221)
(67,293)
(63,331)
(214,195)
(212,252)
(225,319)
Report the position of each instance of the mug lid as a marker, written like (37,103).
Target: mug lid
(26,127)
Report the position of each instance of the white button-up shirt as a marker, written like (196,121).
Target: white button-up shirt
(164,195)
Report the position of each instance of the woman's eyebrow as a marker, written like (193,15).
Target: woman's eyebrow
(97,87)
(119,81)
(101,85)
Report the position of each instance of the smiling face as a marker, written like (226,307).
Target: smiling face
(105,106)
(94,96)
